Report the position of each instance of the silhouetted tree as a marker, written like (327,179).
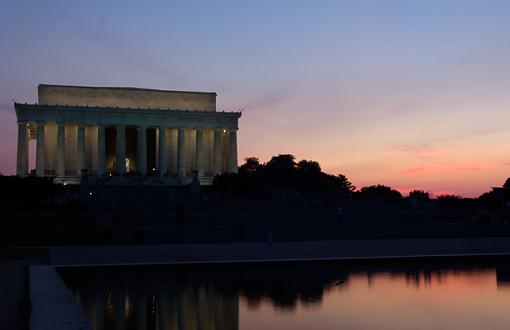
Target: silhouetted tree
(379,192)
(487,197)
(449,197)
(453,202)
(419,195)
(254,178)
(280,170)
(309,167)
(308,175)
(248,181)
(283,163)
(507,183)
(344,184)
(250,167)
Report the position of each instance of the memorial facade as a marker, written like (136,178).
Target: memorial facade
(125,133)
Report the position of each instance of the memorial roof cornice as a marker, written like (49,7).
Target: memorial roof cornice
(35,106)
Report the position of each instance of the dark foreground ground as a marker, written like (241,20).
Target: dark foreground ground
(116,217)
(239,221)
(40,215)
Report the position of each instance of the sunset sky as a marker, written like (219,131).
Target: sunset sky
(411,94)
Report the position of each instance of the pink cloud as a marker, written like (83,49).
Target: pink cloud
(415,170)
(444,169)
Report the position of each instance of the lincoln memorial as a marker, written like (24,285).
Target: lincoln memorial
(124,135)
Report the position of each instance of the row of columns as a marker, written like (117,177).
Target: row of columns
(163,149)
(40,163)
(22,153)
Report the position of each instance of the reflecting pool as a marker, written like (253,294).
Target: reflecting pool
(447,294)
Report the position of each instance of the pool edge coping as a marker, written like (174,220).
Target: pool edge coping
(52,304)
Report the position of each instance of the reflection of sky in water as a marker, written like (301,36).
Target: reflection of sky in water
(298,297)
(452,300)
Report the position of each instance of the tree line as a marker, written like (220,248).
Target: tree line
(283,171)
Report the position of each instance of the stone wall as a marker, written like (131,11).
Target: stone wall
(124,97)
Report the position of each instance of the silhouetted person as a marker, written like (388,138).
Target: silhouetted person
(339,215)
(269,238)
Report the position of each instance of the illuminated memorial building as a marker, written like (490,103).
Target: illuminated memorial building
(124,134)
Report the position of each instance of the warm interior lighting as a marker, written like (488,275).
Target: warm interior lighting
(224,131)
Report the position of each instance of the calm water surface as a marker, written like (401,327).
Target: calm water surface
(405,295)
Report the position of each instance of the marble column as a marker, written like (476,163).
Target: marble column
(80,149)
(233,151)
(40,161)
(181,170)
(61,149)
(22,152)
(101,150)
(217,152)
(199,152)
(162,165)
(141,151)
(121,150)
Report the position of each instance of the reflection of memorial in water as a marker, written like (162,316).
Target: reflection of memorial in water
(195,297)
(169,305)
